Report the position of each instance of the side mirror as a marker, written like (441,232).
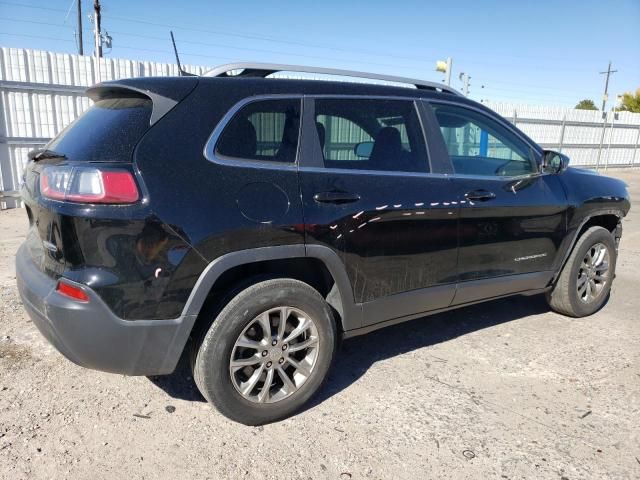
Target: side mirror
(363,149)
(554,162)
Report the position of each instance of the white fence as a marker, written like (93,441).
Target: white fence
(41,92)
(584,135)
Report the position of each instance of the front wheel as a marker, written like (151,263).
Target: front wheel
(585,281)
(267,352)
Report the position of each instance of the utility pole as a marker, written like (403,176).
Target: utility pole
(449,67)
(605,97)
(465,81)
(96,30)
(80,47)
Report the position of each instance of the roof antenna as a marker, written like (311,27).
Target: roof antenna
(182,72)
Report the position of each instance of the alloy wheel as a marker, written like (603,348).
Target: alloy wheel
(274,355)
(593,274)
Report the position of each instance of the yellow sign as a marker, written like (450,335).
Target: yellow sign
(441,66)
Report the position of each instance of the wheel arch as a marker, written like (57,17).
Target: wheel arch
(294,261)
(608,219)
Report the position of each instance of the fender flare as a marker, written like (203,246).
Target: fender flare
(351,312)
(574,237)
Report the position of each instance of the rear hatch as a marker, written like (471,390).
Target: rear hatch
(63,181)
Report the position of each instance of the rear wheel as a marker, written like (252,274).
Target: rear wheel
(267,352)
(585,281)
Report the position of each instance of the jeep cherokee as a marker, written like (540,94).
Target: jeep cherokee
(251,222)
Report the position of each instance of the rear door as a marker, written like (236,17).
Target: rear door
(371,194)
(512,218)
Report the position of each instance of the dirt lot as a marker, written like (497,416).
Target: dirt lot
(501,390)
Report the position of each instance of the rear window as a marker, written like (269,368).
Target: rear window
(107,132)
(265,130)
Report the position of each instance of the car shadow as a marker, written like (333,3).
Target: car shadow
(179,384)
(358,354)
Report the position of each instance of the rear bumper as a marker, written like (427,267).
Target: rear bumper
(90,335)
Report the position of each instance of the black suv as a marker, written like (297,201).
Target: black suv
(253,222)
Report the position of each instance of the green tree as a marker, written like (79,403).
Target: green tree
(631,102)
(586,104)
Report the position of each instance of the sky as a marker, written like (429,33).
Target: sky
(536,52)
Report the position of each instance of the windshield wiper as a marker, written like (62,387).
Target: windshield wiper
(42,153)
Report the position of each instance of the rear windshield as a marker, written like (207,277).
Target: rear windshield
(107,132)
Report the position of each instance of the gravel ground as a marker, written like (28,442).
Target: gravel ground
(501,390)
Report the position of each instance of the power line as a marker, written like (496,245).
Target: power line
(218,45)
(523,93)
(519,85)
(253,36)
(523,96)
(265,38)
(537,87)
(233,34)
(40,37)
(36,22)
(260,50)
(249,36)
(37,7)
(560,92)
(258,37)
(510,65)
(422,60)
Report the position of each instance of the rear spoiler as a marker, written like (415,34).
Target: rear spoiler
(164,93)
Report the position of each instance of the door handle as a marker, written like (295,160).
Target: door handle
(480,195)
(336,197)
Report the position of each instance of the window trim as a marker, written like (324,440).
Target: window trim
(501,121)
(299,164)
(209,151)
(421,126)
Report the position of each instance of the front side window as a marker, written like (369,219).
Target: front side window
(266,130)
(370,134)
(478,145)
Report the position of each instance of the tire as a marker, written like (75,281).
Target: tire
(565,297)
(222,383)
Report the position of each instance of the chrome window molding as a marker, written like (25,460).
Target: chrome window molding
(209,148)
(497,177)
(386,173)
(210,145)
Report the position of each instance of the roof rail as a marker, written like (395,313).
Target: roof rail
(262,70)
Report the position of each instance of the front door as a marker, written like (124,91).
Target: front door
(512,218)
(369,194)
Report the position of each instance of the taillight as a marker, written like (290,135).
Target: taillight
(88,185)
(72,291)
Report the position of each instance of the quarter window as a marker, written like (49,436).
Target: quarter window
(266,130)
(478,145)
(370,134)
